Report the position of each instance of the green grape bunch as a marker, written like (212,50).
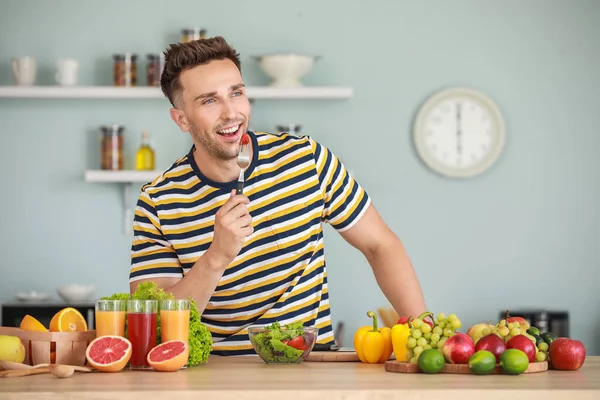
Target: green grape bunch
(427,335)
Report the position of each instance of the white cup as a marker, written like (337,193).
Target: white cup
(66,72)
(24,70)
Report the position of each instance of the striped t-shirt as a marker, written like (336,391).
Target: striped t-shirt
(293,184)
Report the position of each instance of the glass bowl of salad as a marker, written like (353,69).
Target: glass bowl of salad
(288,344)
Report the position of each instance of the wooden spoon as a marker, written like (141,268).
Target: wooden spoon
(61,371)
(15,373)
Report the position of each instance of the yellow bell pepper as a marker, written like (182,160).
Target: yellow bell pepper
(400,335)
(373,345)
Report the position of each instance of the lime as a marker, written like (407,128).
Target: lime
(482,362)
(533,331)
(431,361)
(514,361)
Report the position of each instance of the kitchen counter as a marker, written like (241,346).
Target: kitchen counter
(249,378)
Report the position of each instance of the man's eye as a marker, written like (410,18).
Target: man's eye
(208,101)
(237,93)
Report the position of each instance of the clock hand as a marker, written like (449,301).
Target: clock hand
(458,132)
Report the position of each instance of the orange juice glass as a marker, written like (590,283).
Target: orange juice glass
(110,317)
(174,320)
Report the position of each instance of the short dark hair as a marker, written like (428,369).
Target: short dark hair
(182,56)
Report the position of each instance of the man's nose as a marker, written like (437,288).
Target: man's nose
(228,111)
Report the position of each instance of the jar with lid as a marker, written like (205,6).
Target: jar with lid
(125,69)
(189,34)
(111,149)
(156,63)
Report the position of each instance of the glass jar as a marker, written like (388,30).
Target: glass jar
(125,69)
(111,148)
(156,63)
(189,34)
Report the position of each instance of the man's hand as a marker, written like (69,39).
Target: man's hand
(233,224)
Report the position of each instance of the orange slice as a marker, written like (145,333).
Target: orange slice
(108,353)
(29,323)
(68,320)
(169,356)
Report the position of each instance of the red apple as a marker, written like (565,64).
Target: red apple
(493,344)
(458,348)
(567,354)
(524,344)
(521,321)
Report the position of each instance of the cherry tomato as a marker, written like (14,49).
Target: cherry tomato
(245,139)
(297,343)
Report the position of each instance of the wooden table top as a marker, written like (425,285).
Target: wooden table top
(249,378)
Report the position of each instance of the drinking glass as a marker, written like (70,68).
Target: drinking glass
(174,320)
(141,331)
(110,317)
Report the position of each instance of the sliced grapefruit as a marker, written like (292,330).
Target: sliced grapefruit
(68,320)
(108,353)
(169,356)
(29,323)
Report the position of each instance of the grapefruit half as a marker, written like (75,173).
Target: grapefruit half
(169,356)
(108,353)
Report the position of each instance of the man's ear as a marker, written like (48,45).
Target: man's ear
(179,117)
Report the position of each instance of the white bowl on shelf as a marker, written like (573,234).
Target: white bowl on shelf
(32,297)
(286,69)
(75,293)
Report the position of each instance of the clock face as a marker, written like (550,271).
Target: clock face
(459,133)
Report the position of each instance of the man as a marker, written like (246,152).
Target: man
(257,257)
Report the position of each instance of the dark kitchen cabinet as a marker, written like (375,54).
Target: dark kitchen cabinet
(11,314)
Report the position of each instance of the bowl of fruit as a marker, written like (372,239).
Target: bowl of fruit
(288,344)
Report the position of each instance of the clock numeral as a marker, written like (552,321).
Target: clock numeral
(484,147)
(436,120)
(433,147)
(429,132)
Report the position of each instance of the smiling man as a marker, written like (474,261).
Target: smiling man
(258,257)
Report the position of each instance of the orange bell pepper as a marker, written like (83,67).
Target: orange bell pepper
(372,344)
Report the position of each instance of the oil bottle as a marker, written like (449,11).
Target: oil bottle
(145,154)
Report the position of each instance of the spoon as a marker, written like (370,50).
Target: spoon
(62,371)
(58,370)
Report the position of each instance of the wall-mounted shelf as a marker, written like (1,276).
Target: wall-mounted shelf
(127,178)
(111,92)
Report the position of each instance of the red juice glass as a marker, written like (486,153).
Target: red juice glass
(141,331)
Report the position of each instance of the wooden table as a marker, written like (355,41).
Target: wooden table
(249,378)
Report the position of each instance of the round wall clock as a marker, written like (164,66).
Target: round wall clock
(459,132)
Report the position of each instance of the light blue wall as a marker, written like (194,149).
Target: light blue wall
(525,234)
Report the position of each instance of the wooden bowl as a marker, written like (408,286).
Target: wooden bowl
(68,347)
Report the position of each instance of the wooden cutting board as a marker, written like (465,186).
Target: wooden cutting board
(407,368)
(332,356)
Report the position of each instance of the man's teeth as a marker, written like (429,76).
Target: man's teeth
(230,130)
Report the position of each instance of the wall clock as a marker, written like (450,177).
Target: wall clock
(459,132)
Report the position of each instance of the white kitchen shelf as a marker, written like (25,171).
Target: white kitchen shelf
(127,178)
(111,92)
